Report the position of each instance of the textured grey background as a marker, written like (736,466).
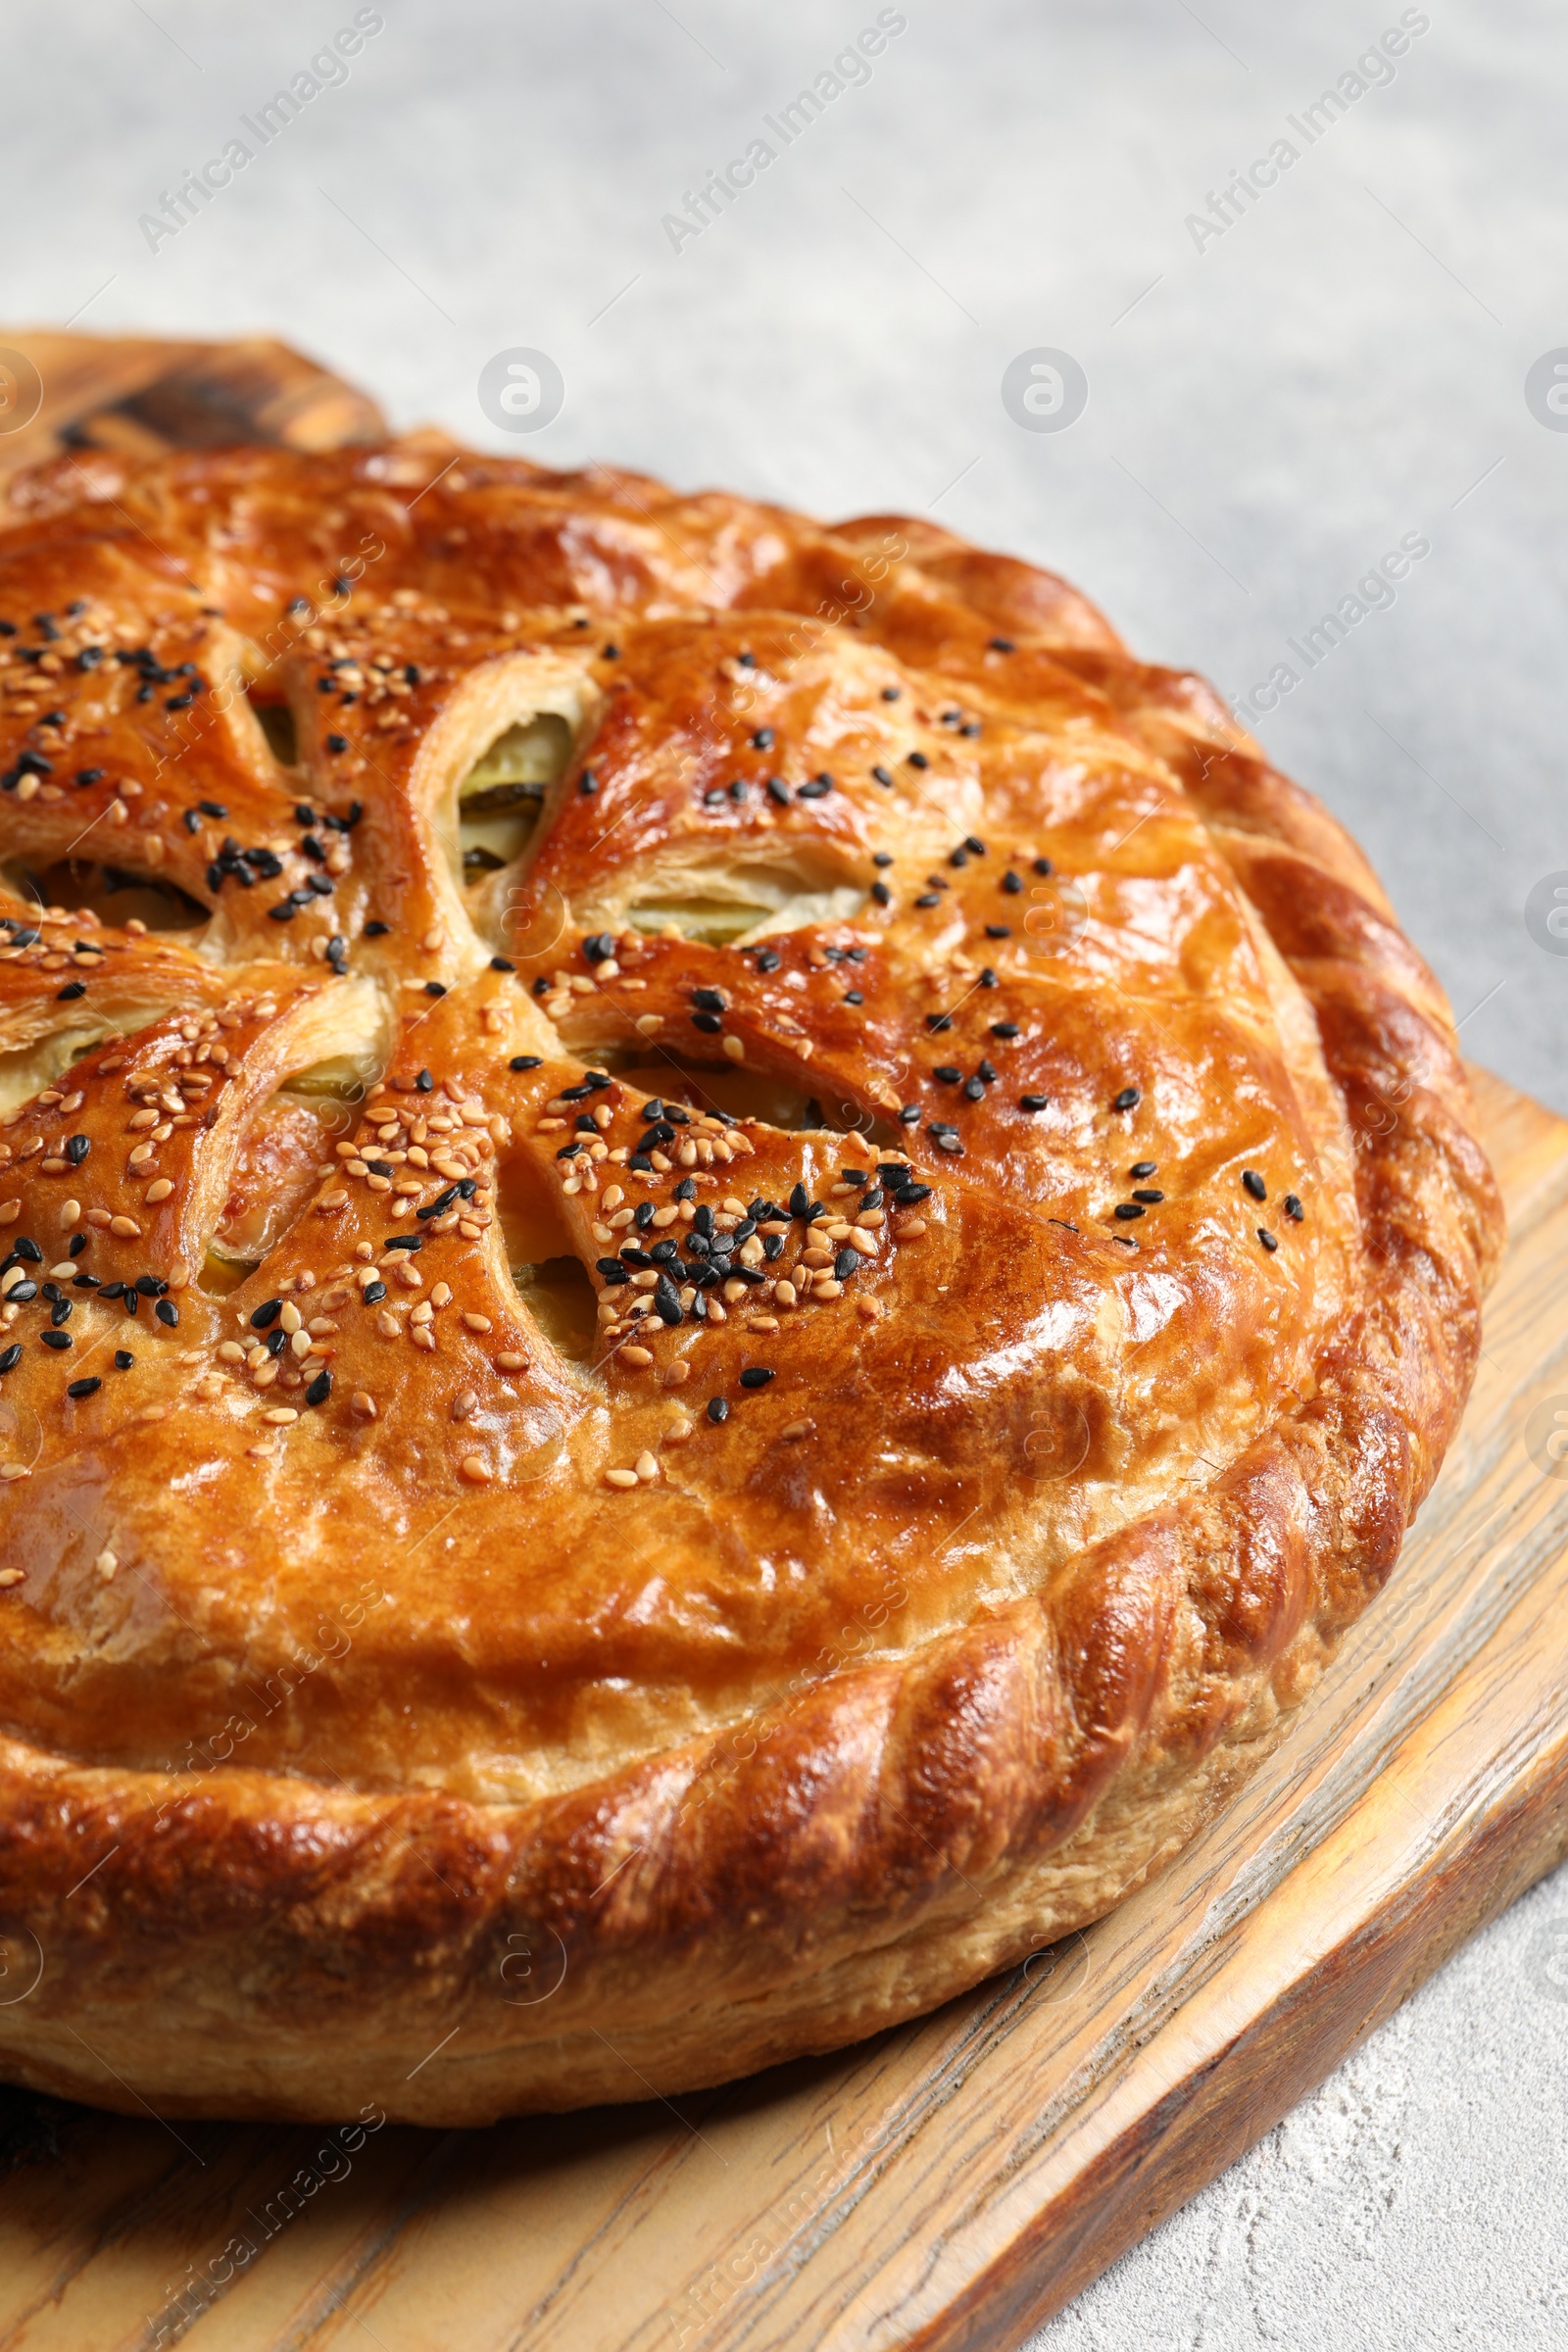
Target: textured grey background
(1266,418)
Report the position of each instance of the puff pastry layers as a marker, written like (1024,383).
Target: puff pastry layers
(949,1247)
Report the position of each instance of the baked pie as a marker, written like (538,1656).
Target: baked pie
(726,1256)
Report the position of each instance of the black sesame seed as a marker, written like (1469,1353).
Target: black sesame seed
(267,1312)
(55,1339)
(1150,1199)
(319,1390)
(1006,1029)
(768,961)
(124,1359)
(709,1023)
(763,740)
(1293,1209)
(881,893)
(717,1408)
(1032,1102)
(373,1293)
(999,931)
(891,694)
(90,775)
(939,1020)
(1253,1183)
(778,790)
(424,1083)
(499,963)
(83,1388)
(434,988)
(918,760)
(1126,1211)
(71,990)
(1042,865)
(882,775)
(526,1061)
(948,1073)
(1001,645)
(1265,1237)
(587,782)
(11,1356)
(377,930)
(910,1115)
(929,897)
(1143,1167)
(78,1242)
(882,858)
(1128,1100)
(1012,883)
(756,1376)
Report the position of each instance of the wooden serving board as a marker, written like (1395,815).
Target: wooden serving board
(950,2184)
(141,395)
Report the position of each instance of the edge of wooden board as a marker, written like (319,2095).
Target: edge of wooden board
(143,395)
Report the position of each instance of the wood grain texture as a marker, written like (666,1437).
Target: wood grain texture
(953,2182)
(144,396)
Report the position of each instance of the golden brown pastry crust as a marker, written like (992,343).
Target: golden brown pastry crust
(373,1728)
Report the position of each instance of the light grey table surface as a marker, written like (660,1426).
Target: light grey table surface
(1271,407)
